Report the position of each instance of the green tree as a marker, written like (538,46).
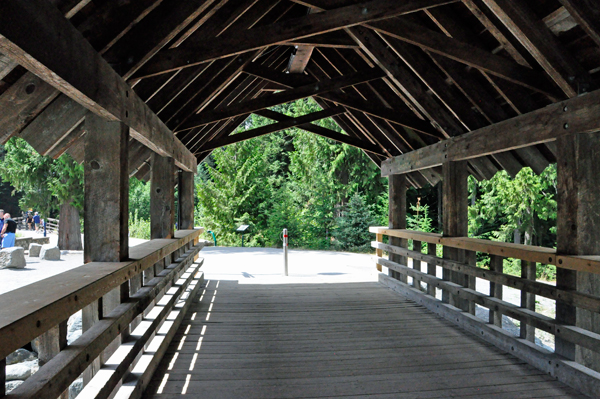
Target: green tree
(48,185)
(352,232)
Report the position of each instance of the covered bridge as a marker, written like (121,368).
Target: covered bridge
(430,90)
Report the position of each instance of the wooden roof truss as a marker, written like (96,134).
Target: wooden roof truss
(411,81)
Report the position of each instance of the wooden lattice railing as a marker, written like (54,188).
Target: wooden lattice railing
(448,287)
(120,349)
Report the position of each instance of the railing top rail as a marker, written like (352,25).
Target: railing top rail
(28,312)
(529,253)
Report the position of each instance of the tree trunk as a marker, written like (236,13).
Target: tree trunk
(69,228)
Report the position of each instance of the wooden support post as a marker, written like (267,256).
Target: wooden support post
(496,265)
(106,207)
(577,220)
(471,259)
(106,190)
(50,344)
(397,219)
(379,252)
(162,197)
(527,299)
(416,262)
(455,213)
(431,268)
(2,378)
(186,200)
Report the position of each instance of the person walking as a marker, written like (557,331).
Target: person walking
(29,221)
(36,221)
(8,232)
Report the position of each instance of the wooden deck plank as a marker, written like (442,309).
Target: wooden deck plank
(332,341)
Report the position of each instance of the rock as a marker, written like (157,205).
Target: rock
(10,385)
(21,371)
(74,328)
(12,257)
(75,388)
(50,252)
(19,356)
(34,250)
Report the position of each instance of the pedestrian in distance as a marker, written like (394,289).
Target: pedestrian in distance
(8,232)
(29,221)
(36,221)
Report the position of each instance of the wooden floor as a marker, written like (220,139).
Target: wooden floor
(333,340)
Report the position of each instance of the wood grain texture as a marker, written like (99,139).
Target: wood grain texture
(106,202)
(58,53)
(334,340)
(232,44)
(577,115)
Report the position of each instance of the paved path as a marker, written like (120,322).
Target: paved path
(256,334)
(38,269)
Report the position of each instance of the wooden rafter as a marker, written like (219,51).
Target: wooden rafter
(324,132)
(587,14)
(278,33)
(75,68)
(577,115)
(282,98)
(272,128)
(397,116)
(542,45)
(464,53)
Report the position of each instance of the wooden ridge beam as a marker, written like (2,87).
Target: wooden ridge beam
(240,42)
(467,54)
(282,98)
(335,39)
(60,55)
(272,128)
(577,115)
(324,132)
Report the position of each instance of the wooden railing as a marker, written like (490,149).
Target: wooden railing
(51,225)
(436,288)
(153,290)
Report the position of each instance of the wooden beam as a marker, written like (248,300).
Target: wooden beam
(541,43)
(324,132)
(106,190)
(282,98)
(401,76)
(53,124)
(455,203)
(75,68)
(278,33)
(587,15)
(154,32)
(162,197)
(577,115)
(272,128)
(186,190)
(336,39)
(22,102)
(397,116)
(467,54)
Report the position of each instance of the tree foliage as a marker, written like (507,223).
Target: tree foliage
(291,179)
(47,185)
